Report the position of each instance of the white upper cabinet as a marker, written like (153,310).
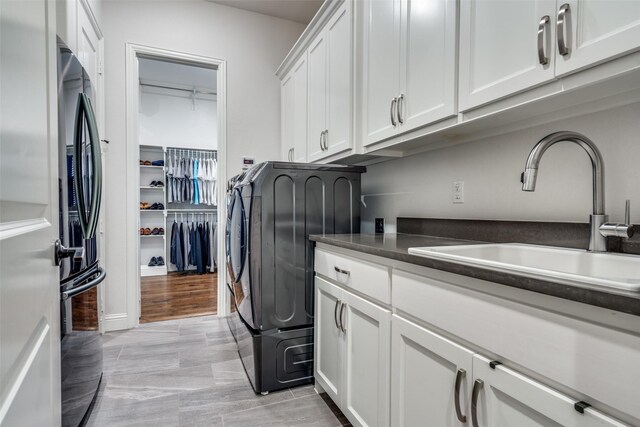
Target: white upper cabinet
(286,116)
(293,110)
(88,38)
(409,65)
(597,30)
(381,69)
(317,89)
(330,93)
(499,48)
(427,62)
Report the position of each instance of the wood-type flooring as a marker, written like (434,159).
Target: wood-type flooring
(178,295)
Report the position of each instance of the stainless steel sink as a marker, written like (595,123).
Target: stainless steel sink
(567,266)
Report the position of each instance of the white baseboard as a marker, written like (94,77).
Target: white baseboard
(116,322)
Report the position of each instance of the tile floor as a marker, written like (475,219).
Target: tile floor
(187,373)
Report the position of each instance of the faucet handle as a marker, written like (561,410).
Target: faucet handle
(627,212)
(619,230)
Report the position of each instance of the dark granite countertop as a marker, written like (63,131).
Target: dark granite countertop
(395,246)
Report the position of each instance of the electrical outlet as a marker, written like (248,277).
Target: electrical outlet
(458,192)
(379,225)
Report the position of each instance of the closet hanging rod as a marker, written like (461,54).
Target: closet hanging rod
(202,92)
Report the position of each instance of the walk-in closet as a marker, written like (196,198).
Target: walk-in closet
(178,188)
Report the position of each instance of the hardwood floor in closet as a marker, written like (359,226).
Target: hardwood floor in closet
(178,295)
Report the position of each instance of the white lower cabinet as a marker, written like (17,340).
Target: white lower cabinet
(352,360)
(430,377)
(503,397)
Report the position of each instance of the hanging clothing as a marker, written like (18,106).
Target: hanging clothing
(176,247)
(191,177)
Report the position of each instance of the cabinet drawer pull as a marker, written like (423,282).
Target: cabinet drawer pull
(321,136)
(342,327)
(345,272)
(563,49)
(394,102)
(477,387)
(542,29)
(326,139)
(401,108)
(460,375)
(335,313)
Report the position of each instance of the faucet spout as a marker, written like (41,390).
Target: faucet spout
(530,173)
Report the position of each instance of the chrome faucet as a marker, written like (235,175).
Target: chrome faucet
(600,228)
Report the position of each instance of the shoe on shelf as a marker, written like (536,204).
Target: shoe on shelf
(157,206)
(144,205)
(159,184)
(146,231)
(153,184)
(153,262)
(155,231)
(159,261)
(141,231)
(161,231)
(157,163)
(146,162)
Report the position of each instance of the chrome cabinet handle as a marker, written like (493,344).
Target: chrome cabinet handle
(477,387)
(460,375)
(563,49)
(342,327)
(401,108)
(335,313)
(326,138)
(542,27)
(394,102)
(339,270)
(321,146)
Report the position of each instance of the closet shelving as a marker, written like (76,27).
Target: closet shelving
(152,245)
(159,245)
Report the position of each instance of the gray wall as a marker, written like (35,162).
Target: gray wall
(421,185)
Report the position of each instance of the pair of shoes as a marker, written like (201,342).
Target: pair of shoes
(145,163)
(145,231)
(145,205)
(156,262)
(157,163)
(156,206)
(158,231)
(156,184)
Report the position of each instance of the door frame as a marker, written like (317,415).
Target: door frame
(132,79)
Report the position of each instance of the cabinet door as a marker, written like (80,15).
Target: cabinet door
(339,77)
(498,48)
(428,58)
(317,114)
(87,42)
(300,111)
(597,30)
(367,359)
(424,371)
(381,68)
(508,398)
(328,339)
(287,121)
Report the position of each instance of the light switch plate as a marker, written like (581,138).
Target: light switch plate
(458,192)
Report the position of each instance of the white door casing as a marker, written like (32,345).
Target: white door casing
(29,293)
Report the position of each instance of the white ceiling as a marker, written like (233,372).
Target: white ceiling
(294,10)
(176,74)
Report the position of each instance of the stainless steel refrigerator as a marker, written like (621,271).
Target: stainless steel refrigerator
(80,194)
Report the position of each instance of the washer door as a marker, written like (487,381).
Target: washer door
(236,237)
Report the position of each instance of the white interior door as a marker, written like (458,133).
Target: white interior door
(300,110)
(29,295)
(317,102)
(425,369)
(328,339)
(597,30)
(508,398)
(498,48)
(339,93)
(366,362)
(428,61)
(381,68)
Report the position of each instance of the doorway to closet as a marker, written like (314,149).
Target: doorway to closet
(178,189)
